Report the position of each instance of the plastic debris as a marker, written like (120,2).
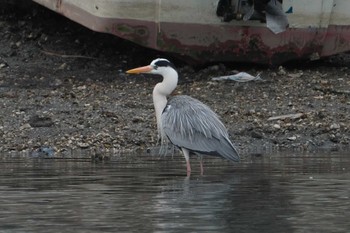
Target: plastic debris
(288,116)
(241,77)
(276,19)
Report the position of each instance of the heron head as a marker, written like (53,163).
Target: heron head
(157,66)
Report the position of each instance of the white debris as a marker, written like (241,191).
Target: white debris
(288,116)
(276,19)
(241,77)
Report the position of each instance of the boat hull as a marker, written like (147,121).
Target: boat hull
(204,37)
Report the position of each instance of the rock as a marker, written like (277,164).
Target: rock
(137,119)
(25,127)
(2,65)
(295,75)
(281,70)
(36,121)
(83,145)
(334,138)
(56,83)
(335,126)
(80,88)
(43,151)
(214,68)
(256,134)
(62,67)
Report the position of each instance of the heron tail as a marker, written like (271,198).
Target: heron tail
(229,151)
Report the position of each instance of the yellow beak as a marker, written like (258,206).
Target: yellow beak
(143,69)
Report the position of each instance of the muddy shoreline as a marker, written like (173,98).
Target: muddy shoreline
(64,87)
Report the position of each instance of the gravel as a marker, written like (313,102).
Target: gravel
(64,87)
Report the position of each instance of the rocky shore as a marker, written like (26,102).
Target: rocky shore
(64,87)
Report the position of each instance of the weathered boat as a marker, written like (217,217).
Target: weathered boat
(260,31)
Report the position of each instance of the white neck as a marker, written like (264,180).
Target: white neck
(161,91)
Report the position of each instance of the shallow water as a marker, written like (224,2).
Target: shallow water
(139,193)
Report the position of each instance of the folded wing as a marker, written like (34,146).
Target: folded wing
(190,124)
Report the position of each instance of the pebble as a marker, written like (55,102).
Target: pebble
(335,126)
(257,135)
(281,70)
(83,145)
(295,75)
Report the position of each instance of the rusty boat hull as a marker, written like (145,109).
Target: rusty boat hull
(193,30)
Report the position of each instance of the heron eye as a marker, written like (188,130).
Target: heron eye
(155,67)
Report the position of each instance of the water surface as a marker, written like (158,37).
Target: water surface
(140,193)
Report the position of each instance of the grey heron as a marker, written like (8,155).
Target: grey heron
(188,123)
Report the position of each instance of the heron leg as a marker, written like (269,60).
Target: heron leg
(187,158)
(201,164)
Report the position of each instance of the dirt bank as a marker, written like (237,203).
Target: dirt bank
(63,87)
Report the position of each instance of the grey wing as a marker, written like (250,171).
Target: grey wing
(190,124)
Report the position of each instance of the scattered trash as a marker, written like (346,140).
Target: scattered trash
(276,19)
(288,116)
(43,152)
(241,77)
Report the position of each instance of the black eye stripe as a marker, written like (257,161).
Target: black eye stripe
(163,63)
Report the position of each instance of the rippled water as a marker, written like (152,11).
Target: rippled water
(138,193)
